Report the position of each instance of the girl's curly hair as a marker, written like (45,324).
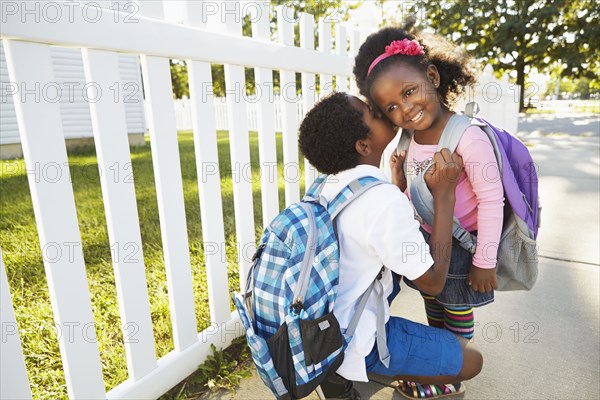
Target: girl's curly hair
(456,67)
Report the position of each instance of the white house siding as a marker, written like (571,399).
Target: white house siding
(9,132)
(75,110)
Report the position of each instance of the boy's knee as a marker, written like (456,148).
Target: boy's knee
(472,363)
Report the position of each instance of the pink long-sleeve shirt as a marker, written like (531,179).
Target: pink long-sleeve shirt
(479,193)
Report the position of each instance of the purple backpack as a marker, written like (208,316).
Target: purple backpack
(517,265)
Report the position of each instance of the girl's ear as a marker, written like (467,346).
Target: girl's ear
(363,147)
(433,75)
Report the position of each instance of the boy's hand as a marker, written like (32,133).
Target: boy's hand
(482,279)
(443,175)
(397,166)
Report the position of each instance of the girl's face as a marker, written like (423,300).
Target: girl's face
(409,97)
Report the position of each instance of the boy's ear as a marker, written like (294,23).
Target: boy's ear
(363,147)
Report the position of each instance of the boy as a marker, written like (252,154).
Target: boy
(340,136)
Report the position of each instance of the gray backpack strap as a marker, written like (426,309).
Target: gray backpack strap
(451,135)
(453,131)
(357,191)
(471,109)
(381,338)
(403,145)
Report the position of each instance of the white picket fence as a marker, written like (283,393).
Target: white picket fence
(101,34)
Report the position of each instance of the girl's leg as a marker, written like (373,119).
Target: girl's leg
(434,310)
(460,321)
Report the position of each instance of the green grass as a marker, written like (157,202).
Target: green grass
(27,281)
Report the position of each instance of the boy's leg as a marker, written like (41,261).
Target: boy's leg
(440,317)
(335,386)
(425,354)
(471,367)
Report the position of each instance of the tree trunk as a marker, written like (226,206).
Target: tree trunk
(521,82)
(522,10)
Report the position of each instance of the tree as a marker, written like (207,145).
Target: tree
(518,35)
(179,79)
(580,88)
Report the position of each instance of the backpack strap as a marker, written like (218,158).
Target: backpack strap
(422,199)
(403,145)
(382,348)
(451,135)
(453,131)
(471,109)
(313,194)
(351,192)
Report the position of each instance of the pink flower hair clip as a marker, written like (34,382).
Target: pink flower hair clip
(404,47)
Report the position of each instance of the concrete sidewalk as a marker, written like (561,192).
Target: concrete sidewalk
(545,343)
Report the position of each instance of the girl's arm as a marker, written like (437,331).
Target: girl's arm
(483,174)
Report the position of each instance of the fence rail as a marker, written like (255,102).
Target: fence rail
(199,41)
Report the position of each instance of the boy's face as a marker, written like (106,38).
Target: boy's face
(381,132)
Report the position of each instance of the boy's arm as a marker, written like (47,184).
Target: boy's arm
(441,180)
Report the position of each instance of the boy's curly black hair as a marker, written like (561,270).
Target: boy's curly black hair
(456,67)
(329,132)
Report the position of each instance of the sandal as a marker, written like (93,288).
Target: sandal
(413,390)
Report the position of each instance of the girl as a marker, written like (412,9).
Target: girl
(414,85)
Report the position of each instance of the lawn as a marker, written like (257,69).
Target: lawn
(27,281)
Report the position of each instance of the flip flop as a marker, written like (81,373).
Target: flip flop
(413,390)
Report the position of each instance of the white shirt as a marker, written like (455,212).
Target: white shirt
(376,229)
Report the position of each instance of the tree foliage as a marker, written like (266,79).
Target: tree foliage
(518,35)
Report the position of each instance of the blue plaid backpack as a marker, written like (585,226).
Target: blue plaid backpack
(294,338)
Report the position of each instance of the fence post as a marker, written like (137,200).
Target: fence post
(325,80)
(289,114)
(309,88)
(204,128)
(44,151)
(14,383)
(235,82)
(267,145)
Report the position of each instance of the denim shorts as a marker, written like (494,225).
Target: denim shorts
(457,292)
(417,349)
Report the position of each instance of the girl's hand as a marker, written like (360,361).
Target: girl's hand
(482,279)
(397,166)
(443,175)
